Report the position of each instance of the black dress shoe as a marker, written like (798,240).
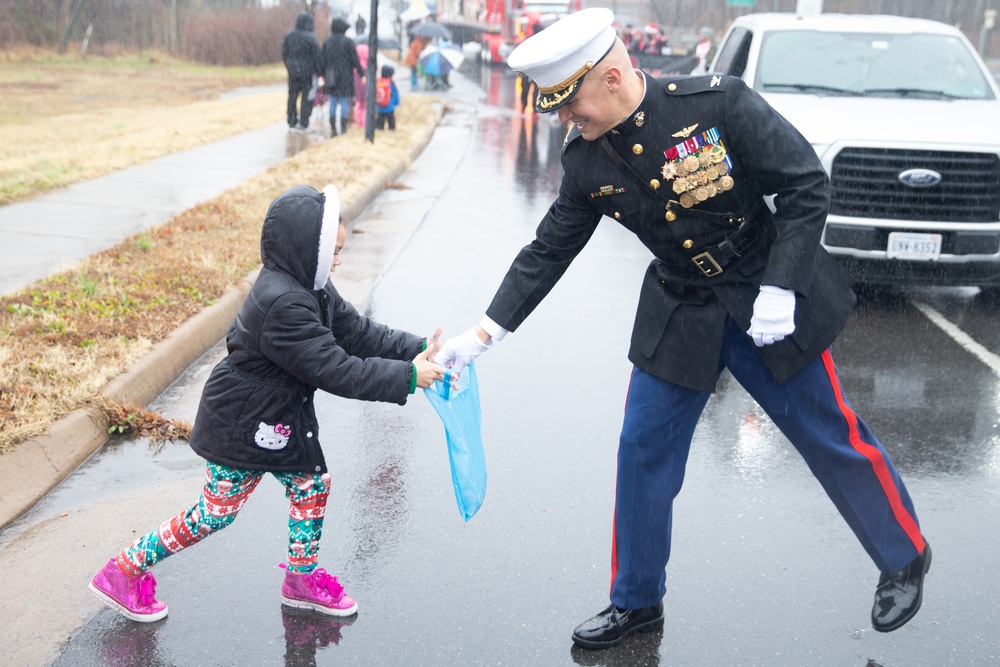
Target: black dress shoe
(899,594)
(614,624)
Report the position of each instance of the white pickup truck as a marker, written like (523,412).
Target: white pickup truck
(905,118)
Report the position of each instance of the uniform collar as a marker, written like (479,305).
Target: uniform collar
(641,116)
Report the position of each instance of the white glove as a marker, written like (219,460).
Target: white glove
(460,351)
(773,315)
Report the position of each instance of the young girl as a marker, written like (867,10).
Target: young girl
(294,334)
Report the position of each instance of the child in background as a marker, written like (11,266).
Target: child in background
(386,99)
(293,335)
(359,114)
(412,60)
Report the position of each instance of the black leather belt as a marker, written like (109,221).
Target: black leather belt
(711,261)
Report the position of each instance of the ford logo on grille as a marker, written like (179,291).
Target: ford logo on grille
(919,178)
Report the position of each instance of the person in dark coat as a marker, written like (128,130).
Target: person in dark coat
(300,53)
(339,61)
(739,281)
(293,335)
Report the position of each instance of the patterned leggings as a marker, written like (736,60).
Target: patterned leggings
(226,490)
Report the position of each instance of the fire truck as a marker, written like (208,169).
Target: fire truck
(510,22)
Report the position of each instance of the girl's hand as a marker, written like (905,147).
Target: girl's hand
(427,371)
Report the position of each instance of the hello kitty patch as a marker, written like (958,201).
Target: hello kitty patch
(272,437)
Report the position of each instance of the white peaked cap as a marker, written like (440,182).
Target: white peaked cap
(558,57)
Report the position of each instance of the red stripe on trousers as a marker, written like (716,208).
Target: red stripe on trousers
(614,550)
(614,515)
(874,456)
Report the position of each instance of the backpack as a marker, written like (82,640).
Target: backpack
(383,92)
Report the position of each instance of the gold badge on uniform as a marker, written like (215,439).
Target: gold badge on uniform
(686,132)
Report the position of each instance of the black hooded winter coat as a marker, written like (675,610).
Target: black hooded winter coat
(300,49)
(340,53)
(291,338)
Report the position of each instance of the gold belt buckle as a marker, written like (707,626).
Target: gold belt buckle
(713,268)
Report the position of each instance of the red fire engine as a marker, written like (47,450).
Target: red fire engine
(510,22)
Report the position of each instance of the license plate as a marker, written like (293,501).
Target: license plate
(908,245)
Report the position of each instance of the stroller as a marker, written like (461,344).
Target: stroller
(435,68)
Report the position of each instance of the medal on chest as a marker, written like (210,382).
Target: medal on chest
(698,168)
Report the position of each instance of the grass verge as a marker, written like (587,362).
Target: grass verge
(63,338)
(64,119)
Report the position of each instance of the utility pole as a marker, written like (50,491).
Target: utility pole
(372,78)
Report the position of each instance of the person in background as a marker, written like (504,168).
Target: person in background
(386,99)
(739,282)
(340,62)
(656,40)
(528,91)
(360,108)
(527,86)
(412,60)
(445,67)
(301,54)
(703,50)
(293,335)
(360,25)
(624,32)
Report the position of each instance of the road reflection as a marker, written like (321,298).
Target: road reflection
(642,650)
(381,497)
(130,644)
(529,144)
(933,405)
(296,142)
(307,633)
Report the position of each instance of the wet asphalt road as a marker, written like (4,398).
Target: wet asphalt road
(764,570)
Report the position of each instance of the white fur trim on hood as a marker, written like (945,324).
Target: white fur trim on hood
(327,236)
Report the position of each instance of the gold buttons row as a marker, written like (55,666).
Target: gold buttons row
(671,216)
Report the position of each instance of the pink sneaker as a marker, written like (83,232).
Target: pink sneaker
(317,591)
(133,597)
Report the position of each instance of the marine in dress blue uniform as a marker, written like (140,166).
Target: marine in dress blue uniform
(731,201)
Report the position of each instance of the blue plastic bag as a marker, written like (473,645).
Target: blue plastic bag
(459,411)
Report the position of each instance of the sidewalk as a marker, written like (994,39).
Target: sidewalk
(46,235)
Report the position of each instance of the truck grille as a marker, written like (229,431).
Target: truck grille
(865,184)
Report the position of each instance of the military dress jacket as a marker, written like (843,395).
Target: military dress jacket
(706,154)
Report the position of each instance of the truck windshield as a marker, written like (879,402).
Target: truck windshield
(868,64)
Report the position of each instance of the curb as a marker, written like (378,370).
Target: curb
(36,466)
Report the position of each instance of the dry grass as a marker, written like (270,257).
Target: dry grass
(63,338)
(66,119)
